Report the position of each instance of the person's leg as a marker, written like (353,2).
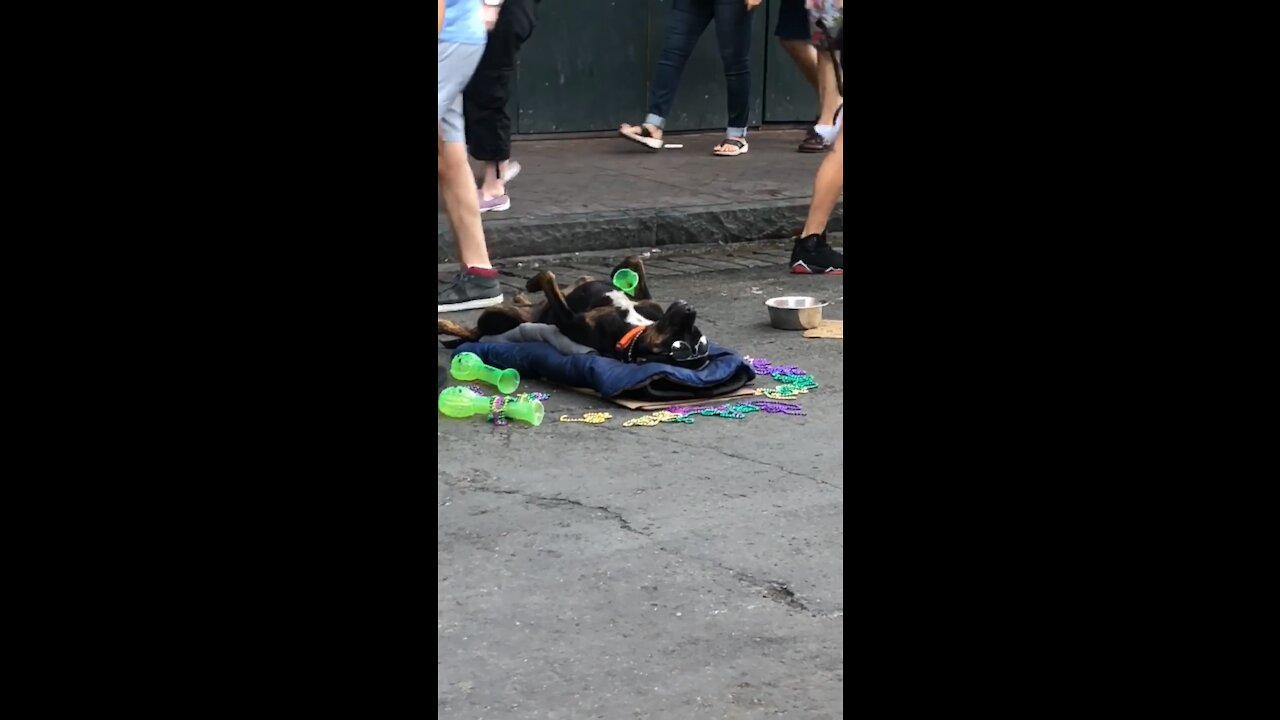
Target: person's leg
(805,56)
(793,35)
(811,253)
(461,204)
(733,35)
(685,24)
(477,285)
(485,100)
(827,186)
(828,91)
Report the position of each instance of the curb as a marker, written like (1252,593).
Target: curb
(654,227)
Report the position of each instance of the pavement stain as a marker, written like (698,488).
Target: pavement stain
(539,501)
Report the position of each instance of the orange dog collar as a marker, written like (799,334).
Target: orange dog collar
(630,337)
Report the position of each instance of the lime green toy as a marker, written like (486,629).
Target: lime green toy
(469,366)
(461,402)
(626,281)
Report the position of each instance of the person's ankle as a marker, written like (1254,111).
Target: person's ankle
(493,190)
(826,132)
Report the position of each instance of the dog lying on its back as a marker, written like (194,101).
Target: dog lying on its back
(596,314)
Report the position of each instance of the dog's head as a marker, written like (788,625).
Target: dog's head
(674,339)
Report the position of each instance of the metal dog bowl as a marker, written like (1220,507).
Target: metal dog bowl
(795,312)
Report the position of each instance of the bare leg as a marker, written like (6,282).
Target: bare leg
(458,191)
(827,186)
(805,56)
(828,92)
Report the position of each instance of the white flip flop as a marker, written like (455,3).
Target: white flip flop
(644,139)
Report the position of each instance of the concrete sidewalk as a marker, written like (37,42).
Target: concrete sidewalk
(610,193)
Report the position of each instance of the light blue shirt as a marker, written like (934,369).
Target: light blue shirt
(463,22)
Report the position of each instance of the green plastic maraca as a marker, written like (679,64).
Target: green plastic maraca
(626,281)
(469,366)
(527,409)
(461,402)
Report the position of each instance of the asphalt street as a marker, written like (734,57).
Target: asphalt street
(675,571)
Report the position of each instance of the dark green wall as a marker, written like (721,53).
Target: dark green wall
(589,64)
(788,97)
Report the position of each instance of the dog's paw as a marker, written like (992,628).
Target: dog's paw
(543,279)
(632,262)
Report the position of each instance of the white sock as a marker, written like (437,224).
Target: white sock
(828,133)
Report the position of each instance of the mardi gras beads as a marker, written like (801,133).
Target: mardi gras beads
(660,416)
(764,367)
(593,418)
(784,408)
(735,412)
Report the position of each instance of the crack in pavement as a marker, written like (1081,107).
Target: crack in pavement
(545,501)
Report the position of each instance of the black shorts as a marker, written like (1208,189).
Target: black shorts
(793,21)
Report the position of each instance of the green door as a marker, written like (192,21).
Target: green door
(788,97)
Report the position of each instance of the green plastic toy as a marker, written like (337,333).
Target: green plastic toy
(626,281)
(461,402)
(469,366)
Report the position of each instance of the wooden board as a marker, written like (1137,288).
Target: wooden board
(827,329)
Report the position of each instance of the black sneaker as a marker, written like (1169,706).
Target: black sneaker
(813,256)
(468,291)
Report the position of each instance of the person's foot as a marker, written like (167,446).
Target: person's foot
(813,256)
(648,135)
(731,147)
(493,187)
(472,288)
(497,204)
(813,143)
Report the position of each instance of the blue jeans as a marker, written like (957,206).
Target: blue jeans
(685,24)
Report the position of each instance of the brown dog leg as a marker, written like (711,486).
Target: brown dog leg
(557,312)
(449,327)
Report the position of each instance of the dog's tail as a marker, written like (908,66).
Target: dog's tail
(449,327)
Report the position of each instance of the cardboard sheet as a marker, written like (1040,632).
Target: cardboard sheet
(651,405)
(827,329)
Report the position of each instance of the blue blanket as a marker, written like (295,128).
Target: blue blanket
(725,372)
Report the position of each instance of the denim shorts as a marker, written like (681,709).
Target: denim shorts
(793,20)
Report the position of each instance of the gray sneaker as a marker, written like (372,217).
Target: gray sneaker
(468,292)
